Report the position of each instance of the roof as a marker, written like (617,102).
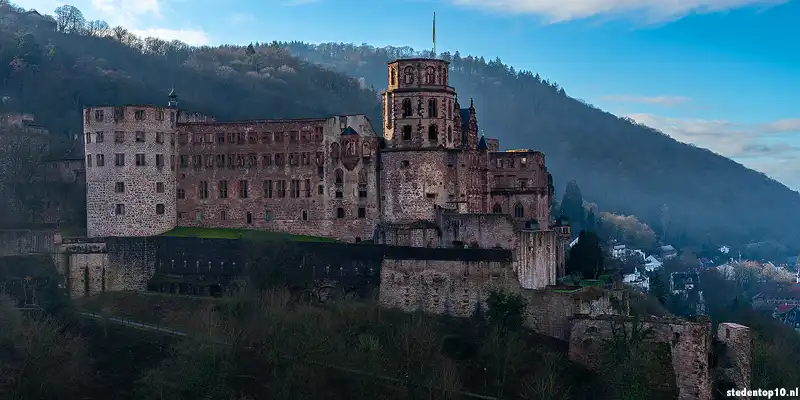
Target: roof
(464,113)
(784,308)
(349,131)
(482,144)
(418,59)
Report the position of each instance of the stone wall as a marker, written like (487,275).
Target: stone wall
(478,230)
(413,182)
(689,343)
(130,176)
(15,242)
(535,258)
(550,311)
(737,356)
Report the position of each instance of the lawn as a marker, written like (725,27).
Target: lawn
(229,233)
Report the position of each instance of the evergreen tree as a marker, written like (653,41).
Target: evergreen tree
(591,222)
(586,257)
(572,207)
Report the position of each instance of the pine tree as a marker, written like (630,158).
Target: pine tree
(572,207)
(591,222)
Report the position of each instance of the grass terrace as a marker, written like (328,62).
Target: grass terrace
(230,233)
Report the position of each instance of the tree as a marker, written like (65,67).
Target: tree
(506,311)
(586,257)
(572,207)
(69,19)
(250,50)
(591,222)
(97,28)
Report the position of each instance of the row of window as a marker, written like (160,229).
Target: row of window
(119,115)
(119,187)
(119,209)
(252,137)
(519,210)
(120,136)
(270,189)
(249,160)
(140,160)
(407,111)
(433,133)
(361,212)
(429,76)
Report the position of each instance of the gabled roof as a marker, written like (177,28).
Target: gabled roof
(482,143)
(349,131)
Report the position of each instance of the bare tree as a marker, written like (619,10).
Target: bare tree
(97,28)
(22,157)
(69,19)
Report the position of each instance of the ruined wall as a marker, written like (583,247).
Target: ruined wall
(484,230)
(15,242)
(689,343)
(443,281)
(413,183)
(130,177)
(737,340)
(535,259)
(307,176)
(550,312)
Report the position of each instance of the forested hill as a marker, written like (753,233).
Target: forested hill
(54,69)
(622,166)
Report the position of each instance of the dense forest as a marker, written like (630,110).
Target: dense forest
(53,66)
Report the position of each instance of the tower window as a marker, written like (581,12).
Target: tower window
(393,79)
(339,176)
(139,115)
(406,132)
(497,209)
(223,189)
(243,189)
(160,209)
(406,108)
(362,212)
(519,211)
(159,187)
(180,194)
(430,75)
(119,187)
(340,212)
(433,111)
(408,75)
(304,215)
(119,209)
(140,137)
(433,133)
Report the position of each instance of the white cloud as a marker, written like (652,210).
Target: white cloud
(658,100)
(772,147)
(142,17)
(652,10)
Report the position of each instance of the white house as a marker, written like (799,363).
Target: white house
(724,249)
(651,263)
(638,280)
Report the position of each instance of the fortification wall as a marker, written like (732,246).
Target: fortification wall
(17,242)
(481,230)
(736,366)
(535,261)
(412,182)
(689,343)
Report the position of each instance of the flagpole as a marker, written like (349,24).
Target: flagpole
(434,33)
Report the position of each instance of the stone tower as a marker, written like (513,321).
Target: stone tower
(130,170)
(418,162)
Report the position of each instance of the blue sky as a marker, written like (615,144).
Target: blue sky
(721,74)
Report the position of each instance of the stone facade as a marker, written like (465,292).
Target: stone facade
(736,360)
(130,170)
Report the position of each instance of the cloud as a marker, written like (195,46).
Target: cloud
(653,10)
(667,101)
(142,17)
(771,147)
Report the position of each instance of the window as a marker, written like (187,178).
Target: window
(339,176)
(223,189)
(243,189)
(304,215)
(339,194)
(266,160)
(279,159)
(406,132)
(252,160)
(308,187)
(266,137)
(88,137)
(294,191)
(362,212)
(181,194)
(202,189)
(292,159)
(159,115)
(119,209)
(406,108)
(268,189)
(98,115)
(320,190)
(159,137)
(321,172)
(140,137)
(449,133)
(223,215)
(119,137)
(340,212)
(433,112)
(100,160)
(172,161)
(519,211)
(433,133)
(393,78)
(160,209)
(293,136)
(362,191)
(252,138)
(140,160)
(231,137)
(119,113)
(281,188)
(430,75)
(408,75)
(99,137)
(220,138)
(523,184)
(405,163)
(88,160)
(138,115)
(184,161)
(159,160)
(159,187)
(197,161)
(497,209)
(198,215)
(119,159)
(249,218)
(267,215)
(449,109)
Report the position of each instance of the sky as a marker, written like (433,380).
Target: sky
(720,74)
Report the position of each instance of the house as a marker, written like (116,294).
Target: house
(724,249)
(651,263)
(638,280)
(668,252)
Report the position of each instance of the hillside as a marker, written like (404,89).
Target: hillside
(53,69)
(622,166)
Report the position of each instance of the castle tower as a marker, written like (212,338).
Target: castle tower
(418,105)
(130,176)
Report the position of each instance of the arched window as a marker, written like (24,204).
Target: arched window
(519,211)
(362,177)
(351,148)
(430,76)
(406,132)
(433,133)
(449,134)
(406,108)
(408,75)
(339,176)
(389,110)
(334,151)
(449,109)
(497,209)
(432,109)
(394,77)
(366,151)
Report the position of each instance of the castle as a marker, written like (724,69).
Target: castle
(429,181)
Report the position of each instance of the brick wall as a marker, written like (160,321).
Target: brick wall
(15,242)
(413,182)
(689,344)
(737,340)
(129,199)
(484,230)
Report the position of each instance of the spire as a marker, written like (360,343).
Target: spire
(471,104)
(173,98)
